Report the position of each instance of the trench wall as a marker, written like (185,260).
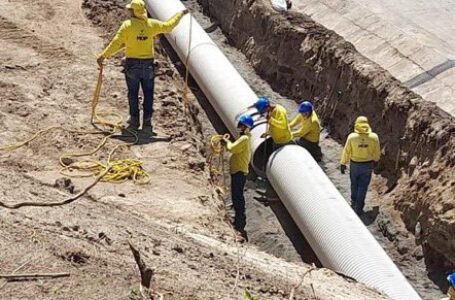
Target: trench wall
(302,59)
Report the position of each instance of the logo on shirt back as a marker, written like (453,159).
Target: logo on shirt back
(362,144)
(141,36)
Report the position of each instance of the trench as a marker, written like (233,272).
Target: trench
(269,225)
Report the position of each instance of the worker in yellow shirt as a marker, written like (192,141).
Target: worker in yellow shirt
(239,166)
(309,129)
(361,150)
(277,119)
(137,35)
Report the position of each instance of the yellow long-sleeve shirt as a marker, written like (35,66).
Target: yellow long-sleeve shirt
(137,36)
(279,126)
(241,154)
(310,128)
(361,147)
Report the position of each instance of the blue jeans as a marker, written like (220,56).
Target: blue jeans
(238,181)
(140,72)
(360,174)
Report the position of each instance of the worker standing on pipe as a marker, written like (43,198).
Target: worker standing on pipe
(309,131)
(277,119)
(137,35)
(239,167)
(362,149)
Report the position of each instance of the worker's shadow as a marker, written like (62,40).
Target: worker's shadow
(142,138)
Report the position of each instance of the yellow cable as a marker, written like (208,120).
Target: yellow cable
(115,171)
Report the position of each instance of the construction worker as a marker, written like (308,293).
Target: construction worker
(309,129)
(137,35)
(277,119)
(451,291)
(239,165)
(361,151)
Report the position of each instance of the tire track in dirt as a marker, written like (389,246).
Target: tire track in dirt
(10,32)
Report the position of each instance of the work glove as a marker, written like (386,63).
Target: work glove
(343,169)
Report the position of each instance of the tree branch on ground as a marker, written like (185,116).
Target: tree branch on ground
(66,201)
(146,273)
(20,277)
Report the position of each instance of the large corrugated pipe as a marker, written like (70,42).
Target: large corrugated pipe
(337,236)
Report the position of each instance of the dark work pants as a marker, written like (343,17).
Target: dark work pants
(360,174)
(238,181)
(140,72)
(311,147)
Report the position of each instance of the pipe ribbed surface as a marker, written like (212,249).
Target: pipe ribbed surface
(335,233)
(338,237)
(215,75)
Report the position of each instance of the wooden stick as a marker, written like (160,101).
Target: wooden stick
(146,272)
(33,276)
(15,270)
(66,201)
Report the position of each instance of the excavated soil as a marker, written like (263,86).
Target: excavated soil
(47,75)
(301,59)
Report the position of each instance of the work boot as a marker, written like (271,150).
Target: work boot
(133,124)
(147,127)
(241,236)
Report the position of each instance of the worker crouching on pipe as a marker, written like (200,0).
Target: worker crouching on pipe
(137,35)
(277,122)
(361,150)
(309,128)
(239,165)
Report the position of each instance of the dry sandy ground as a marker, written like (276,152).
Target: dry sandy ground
(47,74)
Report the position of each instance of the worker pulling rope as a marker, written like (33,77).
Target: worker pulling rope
(120,170)
(113,171)
(215,161)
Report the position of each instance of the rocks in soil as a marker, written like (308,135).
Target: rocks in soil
(64,184)
(387,229)
(402,248)
(178,249)
(418,253)
(77,258)
(196,164)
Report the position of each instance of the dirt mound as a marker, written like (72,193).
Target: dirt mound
(302,59)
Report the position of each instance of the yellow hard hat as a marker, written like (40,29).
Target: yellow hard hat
(361,120)
(136,4)
(361,125)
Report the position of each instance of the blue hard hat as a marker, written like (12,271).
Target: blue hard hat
(261,104)
(246,120)
(305,107)
(451,279)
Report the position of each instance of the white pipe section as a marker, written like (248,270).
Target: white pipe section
(215,75)
(336,234)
